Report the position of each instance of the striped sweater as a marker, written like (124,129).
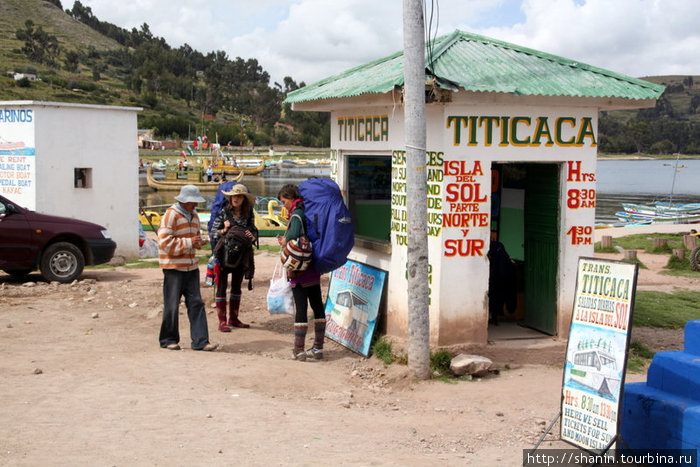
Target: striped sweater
(177,228)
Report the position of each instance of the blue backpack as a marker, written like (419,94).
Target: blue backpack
(328,222)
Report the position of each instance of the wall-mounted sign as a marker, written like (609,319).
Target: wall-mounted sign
(17,156)
(596,353)
(354,296)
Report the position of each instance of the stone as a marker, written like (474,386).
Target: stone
(470,364)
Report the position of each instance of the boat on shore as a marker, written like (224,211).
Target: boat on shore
(659,213)
(231,165)
(173,180)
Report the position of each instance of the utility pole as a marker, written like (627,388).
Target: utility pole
(416,188)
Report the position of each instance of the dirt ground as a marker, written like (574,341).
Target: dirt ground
(84,382)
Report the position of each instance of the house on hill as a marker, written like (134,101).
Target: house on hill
(511,157)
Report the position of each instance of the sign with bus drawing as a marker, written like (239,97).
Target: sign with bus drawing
(594,372)
(354,296)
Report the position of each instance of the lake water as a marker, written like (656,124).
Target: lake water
(619,181)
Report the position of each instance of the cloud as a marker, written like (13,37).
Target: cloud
(313,39)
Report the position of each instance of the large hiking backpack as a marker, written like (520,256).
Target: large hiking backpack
(232,248)
(328,222)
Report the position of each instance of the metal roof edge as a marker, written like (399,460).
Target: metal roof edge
(459,34)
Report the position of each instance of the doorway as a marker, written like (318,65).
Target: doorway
(525,221)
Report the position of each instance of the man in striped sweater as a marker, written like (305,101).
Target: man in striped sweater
(178,241)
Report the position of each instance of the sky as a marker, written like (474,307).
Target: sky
(309,40)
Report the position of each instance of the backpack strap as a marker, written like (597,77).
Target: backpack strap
(303,227)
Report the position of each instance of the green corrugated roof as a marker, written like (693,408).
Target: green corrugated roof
(477,63)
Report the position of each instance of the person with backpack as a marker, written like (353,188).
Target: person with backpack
(233,233)
(306,285)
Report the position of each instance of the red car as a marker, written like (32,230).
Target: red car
(59,247)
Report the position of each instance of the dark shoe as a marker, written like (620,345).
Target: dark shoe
(238,324)
(315,353)
(223,327)
(209,347)
(172,347)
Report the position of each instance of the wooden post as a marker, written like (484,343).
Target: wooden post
(690,241)
(679,253)
(660,242)
(606,241)
(631,254)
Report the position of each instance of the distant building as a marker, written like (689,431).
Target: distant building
(29,76)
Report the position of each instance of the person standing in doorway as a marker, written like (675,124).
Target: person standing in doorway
(306,285)
(178,241)
(235,219)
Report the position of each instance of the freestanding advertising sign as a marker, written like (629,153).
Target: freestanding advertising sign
(352,305)
(594,372)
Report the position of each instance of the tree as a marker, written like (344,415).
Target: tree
(39,45)
(71,61)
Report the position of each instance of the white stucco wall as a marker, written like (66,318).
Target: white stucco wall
(101,138)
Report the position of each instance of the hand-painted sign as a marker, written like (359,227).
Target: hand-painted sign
(353,304)
(594,372)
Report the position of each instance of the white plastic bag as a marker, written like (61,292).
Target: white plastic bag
(279,296)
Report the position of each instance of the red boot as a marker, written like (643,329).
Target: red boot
(221,311)
(234,303)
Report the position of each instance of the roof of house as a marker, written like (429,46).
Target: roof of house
(479,64)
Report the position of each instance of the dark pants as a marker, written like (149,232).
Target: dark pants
(236,281)
(175,285)
(313,295)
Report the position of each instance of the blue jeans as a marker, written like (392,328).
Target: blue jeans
(175,285)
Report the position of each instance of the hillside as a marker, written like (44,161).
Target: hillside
(681,92)
(72,35)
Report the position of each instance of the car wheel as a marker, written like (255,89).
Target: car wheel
(18,272)
(62,262)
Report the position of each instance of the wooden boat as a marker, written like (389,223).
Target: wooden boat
(268,225)
(659,213)
(195,178)
(150,220)
(220,164)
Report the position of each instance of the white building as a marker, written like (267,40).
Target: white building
(73,160)
(511,157)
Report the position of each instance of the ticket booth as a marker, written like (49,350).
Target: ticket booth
(510,158)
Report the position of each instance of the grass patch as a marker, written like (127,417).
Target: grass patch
(680,267)
(440,362)
(382,350)
(644,242)
(638,357)
(270,248)
(665,310)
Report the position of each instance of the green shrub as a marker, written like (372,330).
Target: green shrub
(382,350)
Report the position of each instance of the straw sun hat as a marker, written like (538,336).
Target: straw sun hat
(240,189)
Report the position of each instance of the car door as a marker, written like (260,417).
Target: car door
(17,250)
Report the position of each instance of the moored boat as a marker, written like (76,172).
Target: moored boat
(190,178)
(659,213)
